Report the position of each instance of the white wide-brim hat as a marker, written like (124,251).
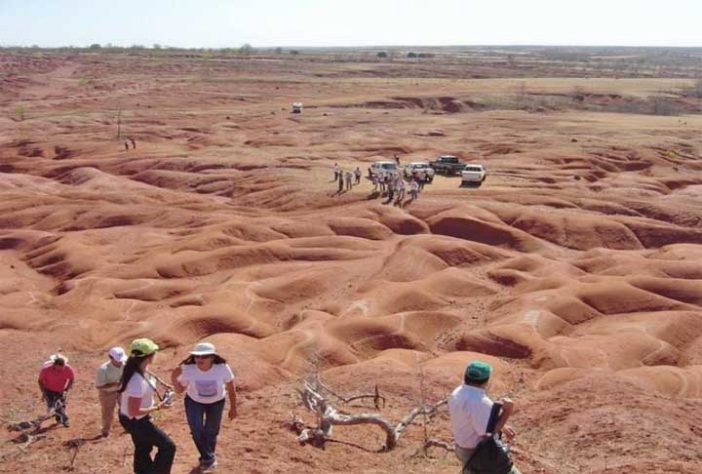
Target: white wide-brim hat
(203,349)
(54,357)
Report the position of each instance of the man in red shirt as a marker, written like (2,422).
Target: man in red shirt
(55,379)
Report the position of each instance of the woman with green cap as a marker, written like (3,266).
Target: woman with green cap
(137,389)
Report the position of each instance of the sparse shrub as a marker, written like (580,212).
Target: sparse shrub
(578,94)
(411,54)
(20,112)
(95,46)
(698,89)
(294,52)
(279,50)
(382,54)
(663,106)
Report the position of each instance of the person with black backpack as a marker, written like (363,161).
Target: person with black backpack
(477,424)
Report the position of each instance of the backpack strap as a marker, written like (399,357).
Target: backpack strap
(494,416)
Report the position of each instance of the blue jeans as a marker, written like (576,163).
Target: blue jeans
(204,420)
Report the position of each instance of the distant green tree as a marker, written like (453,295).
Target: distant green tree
(411,54)
(95,46)
(294,51)
(156,46)
(246,49)
(279,50)
(382,54)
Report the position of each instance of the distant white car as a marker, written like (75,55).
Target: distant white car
(473,173)
(384,166)
(417,167)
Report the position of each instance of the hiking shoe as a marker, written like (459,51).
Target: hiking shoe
(208,466)
(66,423)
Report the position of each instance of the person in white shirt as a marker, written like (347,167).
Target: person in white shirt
(414,189)
(207,380)
(400,190)
(469,412)
(136,404)
(107,381)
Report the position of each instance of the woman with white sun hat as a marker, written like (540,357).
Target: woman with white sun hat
(207,380)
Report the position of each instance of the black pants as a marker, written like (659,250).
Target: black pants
(145,436)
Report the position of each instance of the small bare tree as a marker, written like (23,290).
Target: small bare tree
(328,416)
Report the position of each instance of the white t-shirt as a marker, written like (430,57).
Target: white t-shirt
(137,387)
(469,411)
(206,386)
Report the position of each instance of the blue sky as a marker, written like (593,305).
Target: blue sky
(231,23)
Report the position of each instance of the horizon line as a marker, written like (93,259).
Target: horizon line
(379,46)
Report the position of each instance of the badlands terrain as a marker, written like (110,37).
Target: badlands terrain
(575,269)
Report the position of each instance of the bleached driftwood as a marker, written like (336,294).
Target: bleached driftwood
(328,416)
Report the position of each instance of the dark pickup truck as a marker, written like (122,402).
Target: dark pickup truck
(447,164)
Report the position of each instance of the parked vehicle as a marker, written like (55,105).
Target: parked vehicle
(448,165)
(419,167)
(473,173)
(385,166)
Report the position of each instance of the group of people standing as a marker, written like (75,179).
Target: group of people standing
(394,186)
(386,183)
(208,381)
(346,178)
(126,381)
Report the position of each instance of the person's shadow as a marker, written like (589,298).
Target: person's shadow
(373,195)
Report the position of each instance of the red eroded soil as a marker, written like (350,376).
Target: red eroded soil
(575,269)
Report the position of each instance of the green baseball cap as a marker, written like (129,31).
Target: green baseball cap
(143,347)
(477,371)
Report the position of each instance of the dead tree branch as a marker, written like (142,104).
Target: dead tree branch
(328,416)
(378,400)
(435,443)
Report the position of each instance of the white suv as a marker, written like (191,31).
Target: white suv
(473,173)
(384,166)
(422,167)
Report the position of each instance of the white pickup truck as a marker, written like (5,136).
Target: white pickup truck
(417,167)
(473,173)
(384,166)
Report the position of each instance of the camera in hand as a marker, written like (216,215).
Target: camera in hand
(168,398)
